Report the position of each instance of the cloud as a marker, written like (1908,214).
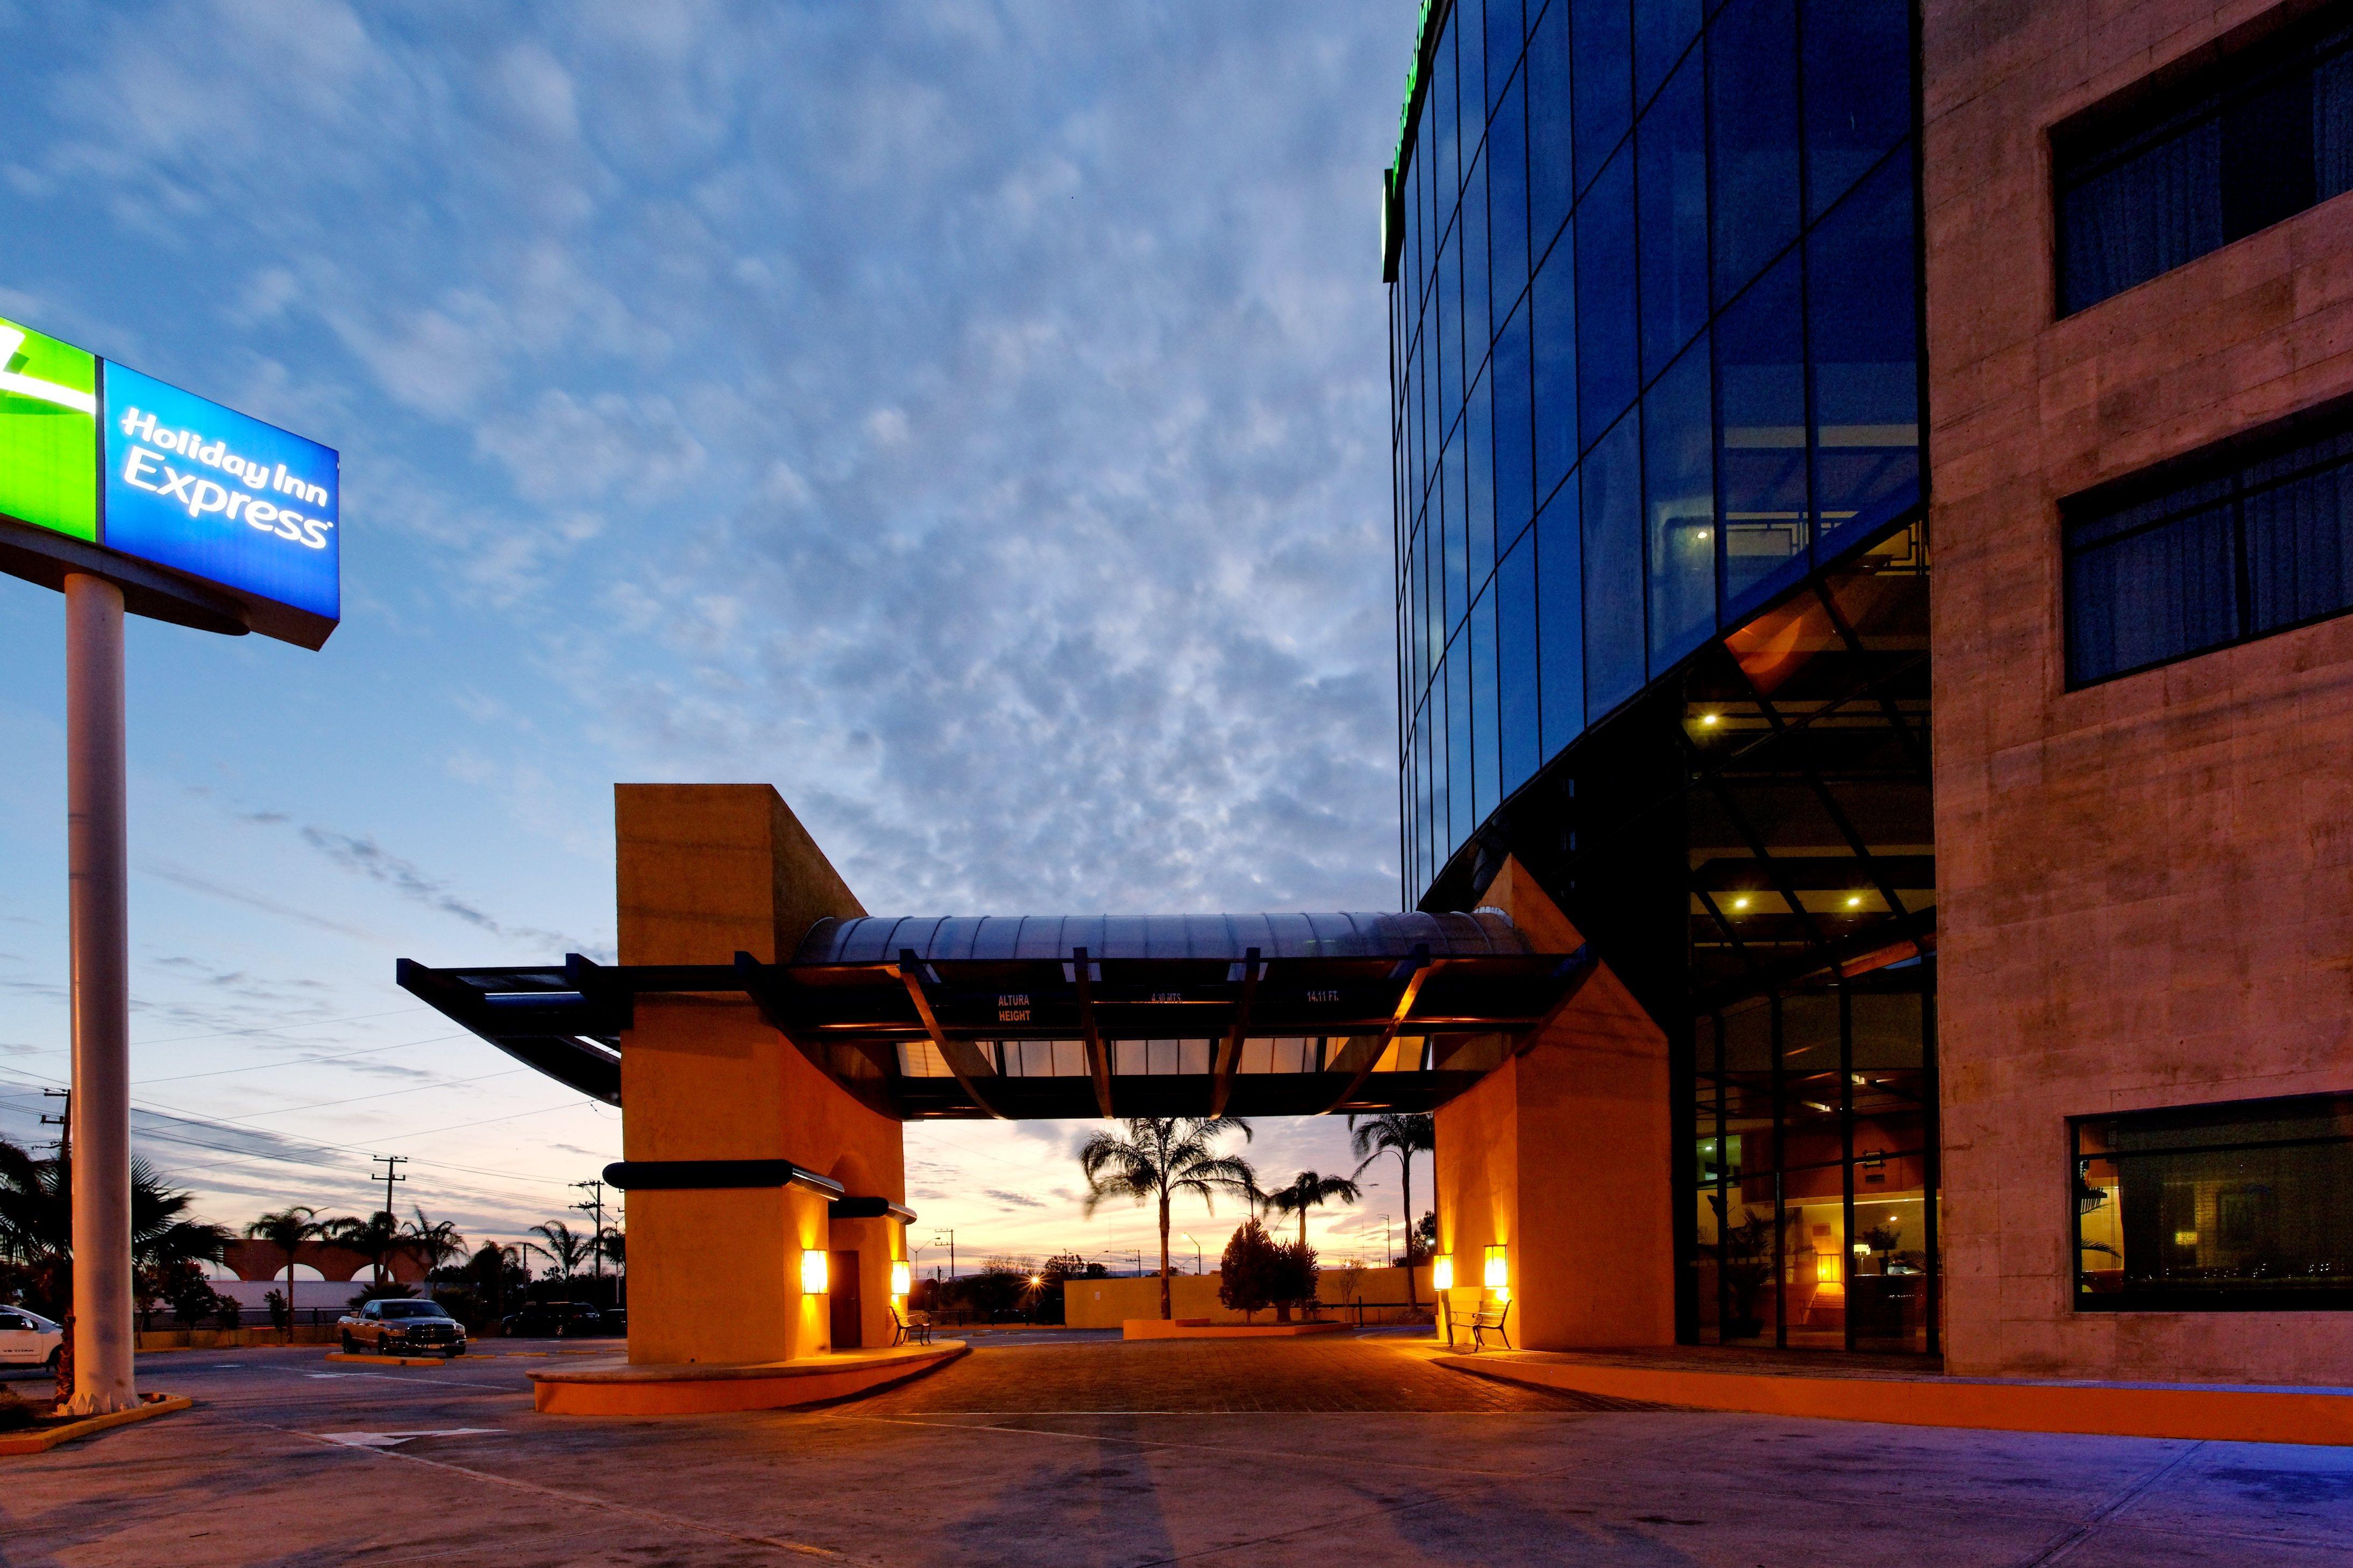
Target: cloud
(971,418)
(194,881)
(1014,1200)
(362,856)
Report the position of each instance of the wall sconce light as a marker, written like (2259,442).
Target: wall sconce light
(813,1279)
(903,1279)
(1442,1272)
(1498,1273)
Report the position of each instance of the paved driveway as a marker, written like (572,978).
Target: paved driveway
(1344,1453)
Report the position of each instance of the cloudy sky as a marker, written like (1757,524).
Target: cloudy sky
(967,417)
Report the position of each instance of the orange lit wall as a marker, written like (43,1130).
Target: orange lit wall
(705,871)
(1563,1154)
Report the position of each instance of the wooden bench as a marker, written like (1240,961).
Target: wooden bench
(915,1328)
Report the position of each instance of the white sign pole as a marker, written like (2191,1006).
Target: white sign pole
(104,1341)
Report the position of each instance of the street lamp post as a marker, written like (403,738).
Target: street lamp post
(1196,1251)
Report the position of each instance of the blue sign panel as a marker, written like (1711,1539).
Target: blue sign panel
(220,496)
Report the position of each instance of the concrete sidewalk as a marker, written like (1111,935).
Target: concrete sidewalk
(1101,1452)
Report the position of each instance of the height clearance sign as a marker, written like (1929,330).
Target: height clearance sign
(102,466)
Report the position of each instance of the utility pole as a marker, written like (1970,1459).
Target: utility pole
(950,1243)
(392,1164)
(595,1203)
(63,1122)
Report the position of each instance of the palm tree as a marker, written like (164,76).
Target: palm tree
(1404,1134)
(1163,1155)
(613,1247)
(1307,1189)
(374,1239)
(435,1241)
(36,1222)
(287,1229)
(566,1248)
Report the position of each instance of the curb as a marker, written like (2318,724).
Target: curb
(2215,1414)
(42,1442)
(398,1360)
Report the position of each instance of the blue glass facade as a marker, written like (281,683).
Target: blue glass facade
(1655,348)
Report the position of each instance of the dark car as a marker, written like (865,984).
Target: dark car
(562,1320)
(394,1327)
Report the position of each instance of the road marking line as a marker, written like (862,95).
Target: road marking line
(394,1439)
(576,1500)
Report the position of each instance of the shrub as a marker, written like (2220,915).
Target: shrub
(16,1413)
(1248,1269)
(1294,1273)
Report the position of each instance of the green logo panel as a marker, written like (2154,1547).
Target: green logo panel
(48,432)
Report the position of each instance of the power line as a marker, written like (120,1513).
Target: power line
(388,1094)
(308,1061)
(197,1118)
(276,1028)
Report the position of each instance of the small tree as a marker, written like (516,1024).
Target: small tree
(1248,1272)
(1352,1284)
(483,1287)
(281,1312)
(996,1293)
(189,1293)
(1293,1282)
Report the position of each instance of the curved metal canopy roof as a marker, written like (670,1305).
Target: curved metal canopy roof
(1034,1016)
(876,939)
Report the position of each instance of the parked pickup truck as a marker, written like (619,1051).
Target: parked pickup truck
(394,1327)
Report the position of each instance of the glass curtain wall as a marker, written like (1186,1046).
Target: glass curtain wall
(1655,350)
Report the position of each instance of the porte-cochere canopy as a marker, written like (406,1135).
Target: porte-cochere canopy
(1040,1016)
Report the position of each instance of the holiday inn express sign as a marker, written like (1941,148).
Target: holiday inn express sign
(101,466)
(133,498)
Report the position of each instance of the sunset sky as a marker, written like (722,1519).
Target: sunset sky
(967,417)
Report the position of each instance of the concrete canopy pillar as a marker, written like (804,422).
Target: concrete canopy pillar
(1564,1155)
(706,871)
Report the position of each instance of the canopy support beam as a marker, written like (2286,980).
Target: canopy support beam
(910,973)
(1230,1057)
(1423,967)
(1098,1058)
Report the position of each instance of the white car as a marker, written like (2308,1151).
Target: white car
(28,1340)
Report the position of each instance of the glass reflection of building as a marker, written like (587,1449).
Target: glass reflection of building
(1662,588)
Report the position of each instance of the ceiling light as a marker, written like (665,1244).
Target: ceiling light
(1711,719)
(1741,902)
(1854,900)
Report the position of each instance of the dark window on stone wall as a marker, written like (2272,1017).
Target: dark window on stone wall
(2236,542)
(2230,149)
